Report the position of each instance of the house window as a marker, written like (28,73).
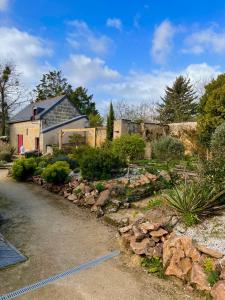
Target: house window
(37,143)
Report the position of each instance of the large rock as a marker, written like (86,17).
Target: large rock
(139,247)
(72,197)
(158,233)
(148,226)
(218,290)
(210,252)
(103,198)
(139,235)
(179,254)
(199,278)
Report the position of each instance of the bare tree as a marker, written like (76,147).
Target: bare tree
(145,112)
(10,92)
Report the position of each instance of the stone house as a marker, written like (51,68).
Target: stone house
(37,125)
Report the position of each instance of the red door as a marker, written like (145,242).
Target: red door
(20,142)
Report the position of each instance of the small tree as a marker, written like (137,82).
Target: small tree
(211,109)
(110,123)
(10,92)
(51,85)
(95,120)
(179,102)
(129,147)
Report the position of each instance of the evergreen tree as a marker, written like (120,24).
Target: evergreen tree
(179,102)
(51,85)
(110,123)
(80,98)
(211,109)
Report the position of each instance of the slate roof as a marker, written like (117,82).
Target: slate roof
(45,105)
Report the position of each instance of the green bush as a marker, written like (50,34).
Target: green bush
(57,172)
(79,151)
(131,147)
(99,187)
(6,156)
(98,164)
(23,168)
(218,141)
(196,200)
(168,148)
(73,163)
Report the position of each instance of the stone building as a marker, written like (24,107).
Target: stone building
(37,125)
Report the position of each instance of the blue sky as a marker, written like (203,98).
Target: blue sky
(117,49)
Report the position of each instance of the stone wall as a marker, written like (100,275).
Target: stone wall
(60,113)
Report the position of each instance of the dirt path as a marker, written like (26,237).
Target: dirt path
(56,235)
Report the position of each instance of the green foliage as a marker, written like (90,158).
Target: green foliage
(153,265)
(168,148)
(80,151)
(211,109)
(196,200)
(213,171)
(99,187)
(95,120)
(153,203)
(212,274)
(23,168)
(190,219)
(6,151)
(110,123)
(84,102)
(51,85)
(130,147)
(98,164)
(218,141)
(179,102)
(56,173)
(73,163)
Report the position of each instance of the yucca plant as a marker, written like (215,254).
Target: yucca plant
(196,199)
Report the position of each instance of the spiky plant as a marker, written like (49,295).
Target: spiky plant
(198,199)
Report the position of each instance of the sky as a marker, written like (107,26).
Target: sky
(119,50)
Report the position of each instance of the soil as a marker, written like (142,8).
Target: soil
(56,235)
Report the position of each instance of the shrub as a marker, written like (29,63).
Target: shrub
(79,151)
(131,147)
(6,156)
(98,164)
(71,161)
(99,187)
(168,148)
(218,141)
(196,200)
(23,168)
(209,268)
(56,173)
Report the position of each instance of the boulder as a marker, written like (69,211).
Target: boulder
(199,278)
(147,226)
(139,235)
(139,247)
(72,197)
(158,233)
(218,290)
(125,229)
(210,252)
(103,198)
(89,200)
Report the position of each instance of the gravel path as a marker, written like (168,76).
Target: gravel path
(56,235)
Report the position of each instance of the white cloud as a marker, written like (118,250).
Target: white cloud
(4,4)
(149,87)
(83,70)
(162,41)
(115,23)
(24,50)
(83,38)
(205,40)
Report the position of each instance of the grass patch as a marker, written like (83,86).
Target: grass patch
(154,266)
(153,203)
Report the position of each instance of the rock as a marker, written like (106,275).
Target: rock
(116,202)
(112,210)
(158,250)
(99,212)
(149,251)
(90,200)
(103,198)
(222,274)
(158,233)
(174,221)
(210,252)
(218,290)
(179,254)
(199,278)
(147,226)
(139,235)
(72,197)
(139,247)
(124,221)
(150,176)
(125,229)
(125,205)
(80,187)
(165,175)
(155,239)
(160,215)
(181,228)
(117,190)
